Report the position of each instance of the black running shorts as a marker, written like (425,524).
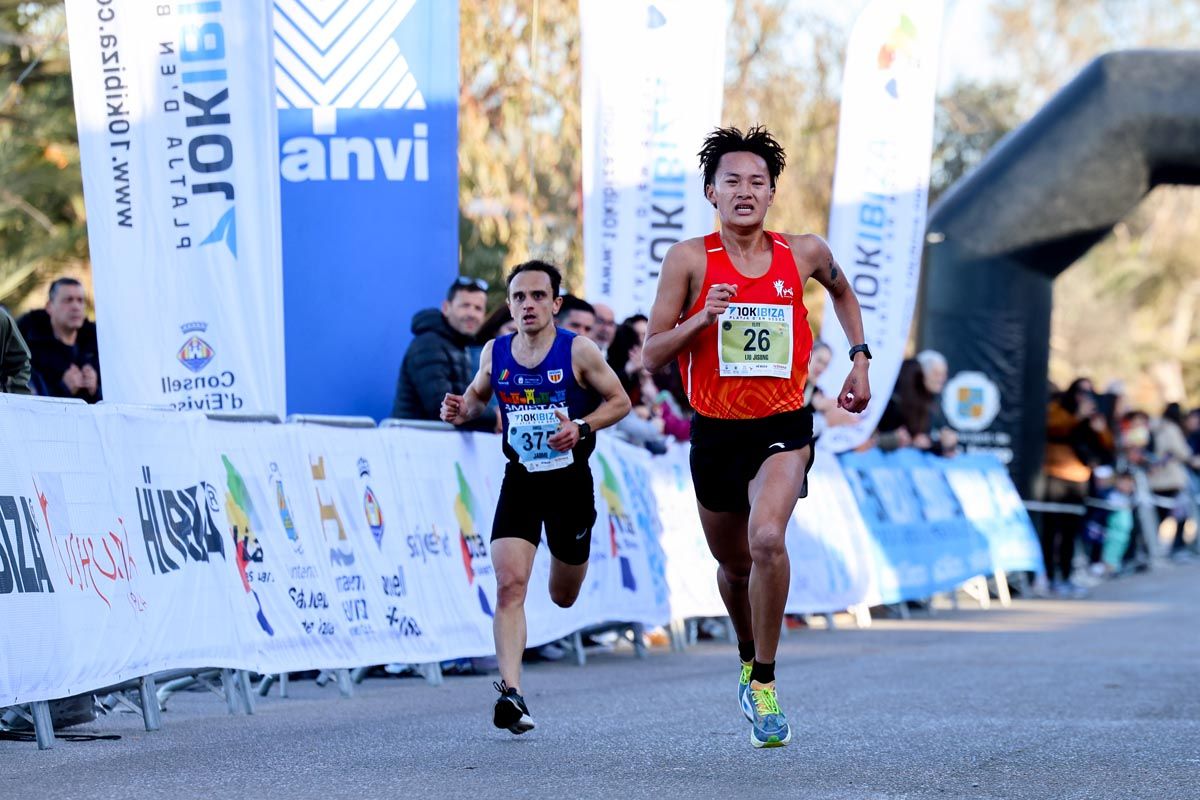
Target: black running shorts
(727,454)
(563,500)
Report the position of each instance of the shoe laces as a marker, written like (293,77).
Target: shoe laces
(747,668)
(502,688)
(765,702)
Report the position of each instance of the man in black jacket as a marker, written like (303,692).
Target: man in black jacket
(439,360)
(62,344)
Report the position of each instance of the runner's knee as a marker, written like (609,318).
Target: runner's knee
(510,590)
(736,575)
(767,542)
(564,597)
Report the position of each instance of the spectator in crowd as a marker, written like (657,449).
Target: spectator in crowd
(62,344)
(1168,476)
(439,358)
(498,323)
(1073,447)
(1119,524)
(14,357)
(604,327)
(641,426)
(913,417)
(576,315)
(638,322)
(1191,428)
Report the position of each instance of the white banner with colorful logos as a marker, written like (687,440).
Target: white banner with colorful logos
(135,540)
(646,111)
(880,190)
(177,136)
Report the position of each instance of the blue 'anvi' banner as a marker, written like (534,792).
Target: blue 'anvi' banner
(368,127)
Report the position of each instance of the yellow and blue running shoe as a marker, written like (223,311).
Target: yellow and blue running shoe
(744,691)
(771,727)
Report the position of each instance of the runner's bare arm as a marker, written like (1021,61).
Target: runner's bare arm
(596,374)
(458,409)
(666,336)
(856,391)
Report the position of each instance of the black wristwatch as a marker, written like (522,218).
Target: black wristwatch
(585,430)
(860,348)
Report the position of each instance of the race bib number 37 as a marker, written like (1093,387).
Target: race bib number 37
(529,433)
(755,340)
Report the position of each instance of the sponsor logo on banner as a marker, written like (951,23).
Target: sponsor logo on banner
(275,479)
(475,556)
(371,507)
(341,553)
(214,392)
(195,353)
(331,56)
(22,565)
(622,535)
(898,53)
(177,525)
(971,403)
(201,156)
(244,528)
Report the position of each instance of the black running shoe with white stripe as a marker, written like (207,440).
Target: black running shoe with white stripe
(511,711)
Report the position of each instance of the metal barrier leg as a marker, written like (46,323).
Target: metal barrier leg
(283,684)
(359,674)
(230,691)
(577,646)
(264,686)
(245,693)
(1002,589)
(639,639)
(432,673)
(678,632)
(345,686)
(830,623)
(43,726)
(862,615)
(151,715)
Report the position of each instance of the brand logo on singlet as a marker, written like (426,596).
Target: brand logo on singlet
(555,375)
(528,380)
(784,291)
(503,376)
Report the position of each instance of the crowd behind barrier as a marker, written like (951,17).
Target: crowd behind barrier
(137,540)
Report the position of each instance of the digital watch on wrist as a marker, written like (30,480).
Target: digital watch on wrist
(860,348)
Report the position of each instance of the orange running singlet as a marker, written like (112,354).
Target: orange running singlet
(753,362)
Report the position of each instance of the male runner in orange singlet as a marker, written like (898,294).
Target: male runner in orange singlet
(730,307)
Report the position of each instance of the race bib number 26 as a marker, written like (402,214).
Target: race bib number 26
(755,340)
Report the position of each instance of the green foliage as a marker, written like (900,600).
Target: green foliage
(41,201)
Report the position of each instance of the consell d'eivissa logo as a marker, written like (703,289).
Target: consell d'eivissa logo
(210,392)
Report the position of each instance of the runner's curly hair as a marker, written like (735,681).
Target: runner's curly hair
(758,140)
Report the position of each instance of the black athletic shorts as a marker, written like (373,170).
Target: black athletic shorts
(563,500)
(727,454)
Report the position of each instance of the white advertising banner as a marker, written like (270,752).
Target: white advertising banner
(880,190)
(646,111)
(178,144)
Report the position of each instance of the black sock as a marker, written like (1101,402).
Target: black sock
(746,650)
(763,673)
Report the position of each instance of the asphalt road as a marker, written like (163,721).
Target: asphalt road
(1093,698)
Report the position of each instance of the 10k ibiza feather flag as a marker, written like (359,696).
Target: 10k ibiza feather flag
(881,188)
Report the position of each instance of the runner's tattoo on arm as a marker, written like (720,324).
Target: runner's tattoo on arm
(833,272)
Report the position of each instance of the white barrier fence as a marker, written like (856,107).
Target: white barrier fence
(134,541)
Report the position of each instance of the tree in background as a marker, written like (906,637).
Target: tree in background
(42,227)
(1144,279)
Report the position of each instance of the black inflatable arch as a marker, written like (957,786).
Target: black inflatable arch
(1048,192)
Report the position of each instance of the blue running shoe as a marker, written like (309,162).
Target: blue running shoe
(744,691)
(771,727)
(511,711)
